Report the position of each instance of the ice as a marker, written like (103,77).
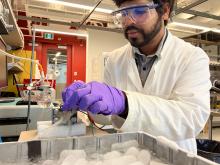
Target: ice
(157,163)
(112,155)
(144,156)
(81,162)
(96,162)
(99,163)
(132,151)
(124,160)
(71,155)
(129,158)
(49,162)
(117,146)
(124,146)
(131,143)
(96,156)
(92,162)
(69,160)
(137,163)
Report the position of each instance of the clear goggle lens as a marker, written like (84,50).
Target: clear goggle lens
(136,14)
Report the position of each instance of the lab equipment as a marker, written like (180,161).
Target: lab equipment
(62,124)
(60,117)
(17,152)
(40,91)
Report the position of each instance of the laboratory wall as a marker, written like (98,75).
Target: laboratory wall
(98,42)
(210,49)
(20,76)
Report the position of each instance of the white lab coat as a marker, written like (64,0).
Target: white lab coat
(175,100)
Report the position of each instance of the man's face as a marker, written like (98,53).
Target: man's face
(141,33)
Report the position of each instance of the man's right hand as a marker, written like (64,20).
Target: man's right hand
(67,95)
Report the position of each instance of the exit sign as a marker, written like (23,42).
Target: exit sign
(48,36)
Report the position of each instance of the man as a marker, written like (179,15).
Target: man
(157,83)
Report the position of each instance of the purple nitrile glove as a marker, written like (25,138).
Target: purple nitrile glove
(100,98)
(67,94)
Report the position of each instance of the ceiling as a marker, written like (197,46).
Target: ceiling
(44,14)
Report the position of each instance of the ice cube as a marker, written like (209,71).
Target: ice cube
(144,156)
(75,155)
(112,155)
(132,151)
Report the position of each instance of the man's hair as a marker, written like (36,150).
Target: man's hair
(159,9)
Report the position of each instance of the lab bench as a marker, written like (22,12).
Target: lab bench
(13,118)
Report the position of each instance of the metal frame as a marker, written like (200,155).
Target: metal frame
(181,10)
(31,75)
(88,15)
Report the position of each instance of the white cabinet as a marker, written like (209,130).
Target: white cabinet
(20,112)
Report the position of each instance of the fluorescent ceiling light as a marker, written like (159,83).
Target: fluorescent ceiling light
(58,54)
(196,27)
(79,6)
(61,32)
(191,26)
(216,30)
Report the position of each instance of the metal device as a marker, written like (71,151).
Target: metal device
(60,117)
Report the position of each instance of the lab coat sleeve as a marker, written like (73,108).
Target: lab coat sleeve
(180,116)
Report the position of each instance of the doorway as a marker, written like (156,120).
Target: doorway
(70,66)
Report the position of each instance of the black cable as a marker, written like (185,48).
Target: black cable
(92,121)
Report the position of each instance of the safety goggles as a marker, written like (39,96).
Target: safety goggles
(136,13)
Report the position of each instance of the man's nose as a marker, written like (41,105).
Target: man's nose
(128,20)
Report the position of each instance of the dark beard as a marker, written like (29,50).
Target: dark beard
(146,36)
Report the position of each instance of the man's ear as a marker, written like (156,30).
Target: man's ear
(166,11)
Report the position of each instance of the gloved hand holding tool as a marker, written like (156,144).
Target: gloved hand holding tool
(94,97)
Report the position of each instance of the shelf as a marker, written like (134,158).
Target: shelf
(214,63)
(15,38)
(14,68)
